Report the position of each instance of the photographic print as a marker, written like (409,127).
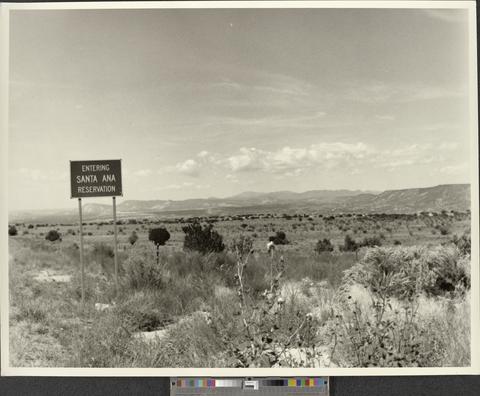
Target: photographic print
(240,186)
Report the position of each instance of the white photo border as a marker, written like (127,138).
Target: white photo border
(7,370)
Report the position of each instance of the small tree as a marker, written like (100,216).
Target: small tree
(443,230)
(349,245)
(53,235)
(103,255)
(324,246)
(371,241)
(463,243)
(279,239)
(133,238)
(12,230)
(202,239)
(159,236)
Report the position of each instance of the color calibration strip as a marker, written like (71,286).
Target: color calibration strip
(295,382)
(208,383)
(237,383)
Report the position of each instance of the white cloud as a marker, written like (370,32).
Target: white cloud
(193,167)
(287,159)
(248,159)
(189,167)
(290,161)
(375,92)
(267,84)
(205,157)
(228,84)
(294,121)
(178,186)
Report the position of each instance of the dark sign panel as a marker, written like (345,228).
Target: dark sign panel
(96,178)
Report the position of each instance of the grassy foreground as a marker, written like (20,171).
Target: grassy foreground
(389,306)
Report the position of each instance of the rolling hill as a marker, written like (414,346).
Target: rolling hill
(442,197)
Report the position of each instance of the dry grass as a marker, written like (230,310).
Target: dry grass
(49,328)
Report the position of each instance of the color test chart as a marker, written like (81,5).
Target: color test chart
(274,386)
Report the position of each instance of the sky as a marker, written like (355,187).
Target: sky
(201,103)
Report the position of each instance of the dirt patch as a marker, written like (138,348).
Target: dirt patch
(151,336)
(155,335)
(46,276)
(103,307)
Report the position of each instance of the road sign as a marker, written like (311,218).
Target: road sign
(101,178)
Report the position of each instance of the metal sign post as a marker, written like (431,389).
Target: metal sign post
(101,178)
(82,265)
(115,257)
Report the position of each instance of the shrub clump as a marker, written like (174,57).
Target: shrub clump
(378,336)
(463,243)
(389,332)
(133,238)
(371,241)
(141,312)
(102,254)
(406,272)
(324,245)
(53,235)
(141,270)
(32,309)
(12,230)
(202,239)
(349,244)
(279,238)
(443,230)
(105,344)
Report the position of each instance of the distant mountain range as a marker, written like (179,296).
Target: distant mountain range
(442,197)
